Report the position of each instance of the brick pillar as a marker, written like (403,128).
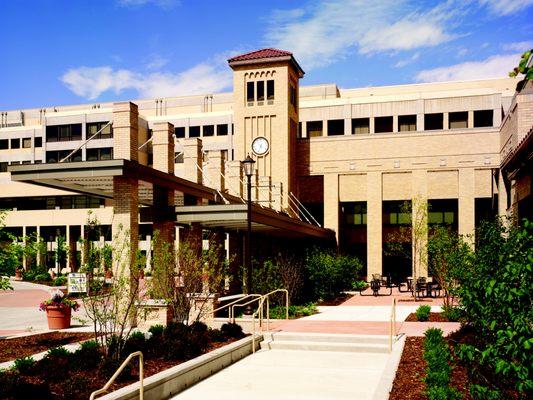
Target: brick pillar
(216,170)
(374,239)
(235,178)
(125,131)
(419,219)
(193,159)
(277,195)
(235,245)
(217,241)
(466,202)
(163,198)
(331,203)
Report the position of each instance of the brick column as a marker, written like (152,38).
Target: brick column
(466,202)
(216,170)
(125,131)
(331,203)
(234,177)
(193,159)
(163,147)
(419,220)
(374,227)
(470,122)
(277,195)
(217,241)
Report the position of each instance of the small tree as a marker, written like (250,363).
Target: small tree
(448,253)
(179,278)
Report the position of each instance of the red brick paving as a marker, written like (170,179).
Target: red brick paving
(23,298)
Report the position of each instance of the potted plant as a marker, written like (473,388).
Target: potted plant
(18,274)
(58,310)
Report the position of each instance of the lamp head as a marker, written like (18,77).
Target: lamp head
(248,166)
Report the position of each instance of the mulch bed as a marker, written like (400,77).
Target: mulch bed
(336,301)
(408,383)
(11,349)
(433,317)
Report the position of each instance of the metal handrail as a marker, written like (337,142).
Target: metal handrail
(260,311)
(119,370)
(232,309)
(392,330)
(234,302)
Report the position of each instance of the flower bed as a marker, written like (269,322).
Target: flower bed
(65,375)
(433,317)
(28,345)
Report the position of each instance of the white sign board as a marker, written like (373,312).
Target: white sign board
(77,283)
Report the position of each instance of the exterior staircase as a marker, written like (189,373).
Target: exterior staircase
(325,342)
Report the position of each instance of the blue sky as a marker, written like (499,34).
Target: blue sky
(56,52)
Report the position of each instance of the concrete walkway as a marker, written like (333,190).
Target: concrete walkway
(294,374)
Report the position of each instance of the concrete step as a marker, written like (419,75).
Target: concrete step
(327,338)
(324,346)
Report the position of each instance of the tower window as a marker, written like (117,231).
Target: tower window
(179,132)
(270,89)
(222,130)
(15,143)
(335,127)
(250,92)
(4,144)
(360,126)
(26,143)
(260,91)
(209,130)
(314,129)
(194,131)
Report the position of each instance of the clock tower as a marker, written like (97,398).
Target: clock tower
(265,87)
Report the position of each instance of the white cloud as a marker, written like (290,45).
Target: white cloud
(91,82)
(518,46)
(156,62)
(407,61)
(330,29)
(493,67)
(165,4)
(506,7)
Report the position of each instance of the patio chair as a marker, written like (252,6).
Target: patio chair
(422,286)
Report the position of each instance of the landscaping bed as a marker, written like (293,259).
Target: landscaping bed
(433,317)
(64,375)
(33,344)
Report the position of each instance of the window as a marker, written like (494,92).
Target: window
(483,118)
(178,158)
(3,166)
(270,90)
(194,131)
(260,91)
(300,133)
(38,142)
(179,132)
(458,120)
(105,153)
(4,144)
(26,162)
(222,130)
(94,127)
(383,124)
(293,96)
(209,130)
(15,143)
(58,133)
(406,123)
(336,127)
(443,212)
(314,128)
(396,213)
(26,143)
(250,94)
(354,213)
(56,156)
(360,126)
(433,121)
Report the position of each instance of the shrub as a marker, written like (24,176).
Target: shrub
(443,393)
(42,277)
(59,281)
(58,352)
(453,314)
(328,273)
(422,312)
(25,365)
(175,330)
(88,356)
(216,335)
(110,365)
(232,330)
(438,372)
(55,363)
(135,342)
(279,312)
(157,330)
(359,285)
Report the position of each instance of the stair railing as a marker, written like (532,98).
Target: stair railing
(259,312)
(232,309)
(119,370)
(392,329)
(243,297)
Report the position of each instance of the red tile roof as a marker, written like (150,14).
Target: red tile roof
(263,53)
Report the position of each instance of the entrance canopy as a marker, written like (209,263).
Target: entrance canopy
(96,178)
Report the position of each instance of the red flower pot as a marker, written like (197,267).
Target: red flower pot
(58,317)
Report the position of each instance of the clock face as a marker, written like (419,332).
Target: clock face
(260,146)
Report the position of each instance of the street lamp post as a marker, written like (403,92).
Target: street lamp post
(248,169)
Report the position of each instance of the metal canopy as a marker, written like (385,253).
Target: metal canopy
(96,178)
(232,217)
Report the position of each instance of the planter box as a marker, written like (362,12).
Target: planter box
(172,381)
